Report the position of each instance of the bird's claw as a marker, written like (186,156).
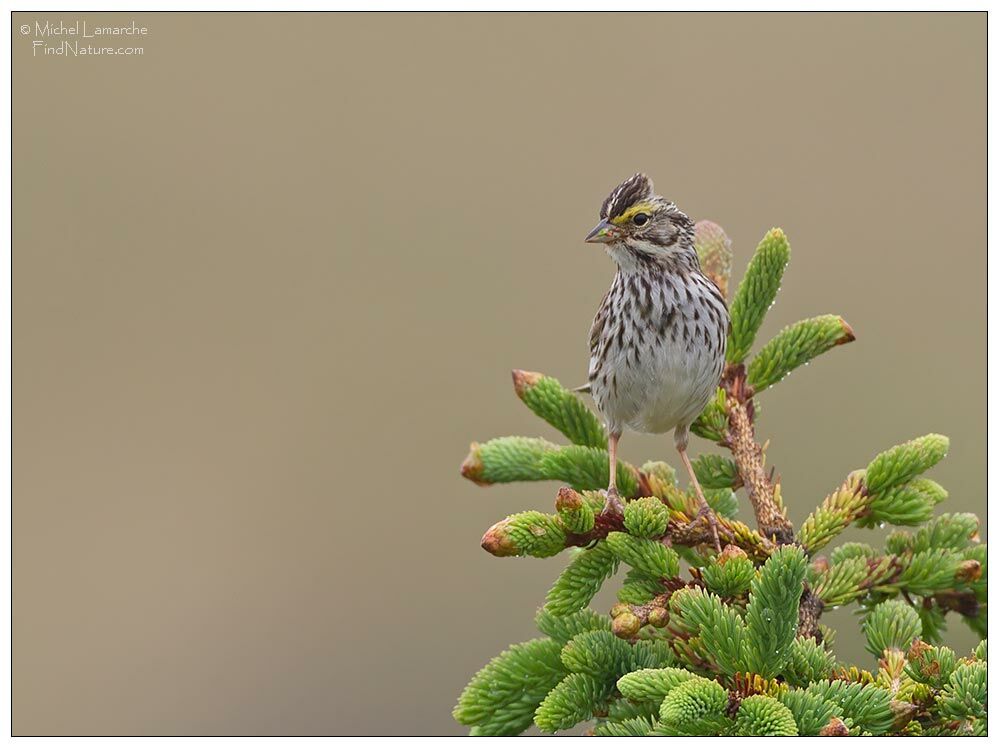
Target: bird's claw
(707,513)
(612,505)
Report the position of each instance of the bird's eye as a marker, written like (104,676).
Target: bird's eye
(641,219)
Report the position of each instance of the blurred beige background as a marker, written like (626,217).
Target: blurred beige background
(270,278)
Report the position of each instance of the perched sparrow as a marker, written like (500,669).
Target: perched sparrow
(657,345)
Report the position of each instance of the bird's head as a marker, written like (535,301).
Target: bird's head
(635,221)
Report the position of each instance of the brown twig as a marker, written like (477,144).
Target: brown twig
(683,529)
(964,602)
(809,609)
(762,489)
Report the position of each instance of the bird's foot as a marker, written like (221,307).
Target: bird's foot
(707,513)
(612,506)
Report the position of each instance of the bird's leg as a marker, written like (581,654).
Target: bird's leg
(705,510)
(613,503)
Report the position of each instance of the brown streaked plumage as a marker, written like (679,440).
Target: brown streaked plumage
(657,344)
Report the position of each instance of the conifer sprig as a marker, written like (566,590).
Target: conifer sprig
(732,644)
(756,293)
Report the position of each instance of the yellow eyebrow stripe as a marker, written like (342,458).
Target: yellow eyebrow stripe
(631,213)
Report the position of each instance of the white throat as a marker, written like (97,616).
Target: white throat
(628,255)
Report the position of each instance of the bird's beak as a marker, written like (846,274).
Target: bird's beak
(602,233)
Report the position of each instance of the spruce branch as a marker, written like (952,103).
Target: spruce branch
(891,625)
(639,587)
(889,490)
(715,471)
(734,644)
(764,715)
(810,607)
(597,653)
(652,684)
(578,515)
(868,707)
(526,534)
(651,653)
(811,713)
(728,418)
(772,613)
(721,630)
(644,554)
(506,460)
(646,518)
(579,523)
(764,494)
(756,293)
(502,697)
(547,398)
(565,627)
(581,580)
(730,574)
(846,504)
(586,469)
(688,532)
(964,696)
(934,581)
(795,345)
(809,661)
(510,459)
(632,727)
(692,706)
(712,423)
(575,699)
(901,464)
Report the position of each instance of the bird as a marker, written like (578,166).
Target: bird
(657,342)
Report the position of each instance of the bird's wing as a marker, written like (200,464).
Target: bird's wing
(597,328)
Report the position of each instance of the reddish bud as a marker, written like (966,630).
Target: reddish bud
(497,540)
(524,380)
(969,571)
(472,467)
(730,552)
(568,500)
(626,625)
(836,728)
(659,617)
